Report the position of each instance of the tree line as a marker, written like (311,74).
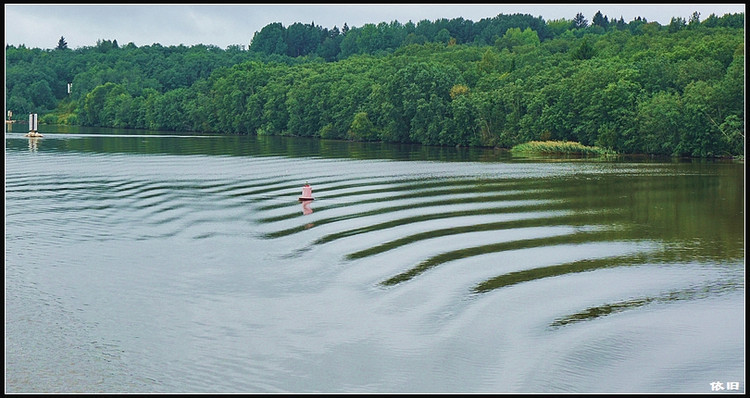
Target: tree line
(636,87)
(333,44)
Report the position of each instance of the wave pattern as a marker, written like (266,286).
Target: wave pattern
(448,214)
(451,218)
(436,248)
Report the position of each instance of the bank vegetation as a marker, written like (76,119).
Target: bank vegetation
(635,87)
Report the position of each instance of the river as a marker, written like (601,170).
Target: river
(153,262)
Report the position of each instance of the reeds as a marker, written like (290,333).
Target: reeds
(559,148)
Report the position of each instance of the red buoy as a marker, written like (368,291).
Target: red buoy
(306,193)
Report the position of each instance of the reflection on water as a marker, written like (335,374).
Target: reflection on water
(701,292)
(306,209)
(33,144)
(155,262)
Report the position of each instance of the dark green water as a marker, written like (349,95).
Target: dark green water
(150,262)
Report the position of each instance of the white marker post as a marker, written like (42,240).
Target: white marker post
(33,127)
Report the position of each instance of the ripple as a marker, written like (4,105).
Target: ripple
(186,272)
(549,240)
(709,289)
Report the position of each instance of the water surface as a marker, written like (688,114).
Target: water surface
(140,261)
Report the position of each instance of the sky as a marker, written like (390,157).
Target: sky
(222,25)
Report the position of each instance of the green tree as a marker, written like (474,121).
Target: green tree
(580,22)
(514,37)
(711,22)
(464,126)
(362,129)
(559,26)
(61,44)
(676,24)
(584,50)
(695,20)
(93,108)
(490,62)
(659,121)
(697,133)
(271,39)
(600,20)
(443,36)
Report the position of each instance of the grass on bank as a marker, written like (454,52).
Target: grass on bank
(559,148)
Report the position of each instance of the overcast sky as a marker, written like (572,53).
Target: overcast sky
(42,25)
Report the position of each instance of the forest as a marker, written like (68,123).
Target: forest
(635,88)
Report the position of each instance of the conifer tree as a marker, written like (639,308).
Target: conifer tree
(61,44)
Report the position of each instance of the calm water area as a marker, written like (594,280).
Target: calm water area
(153,262)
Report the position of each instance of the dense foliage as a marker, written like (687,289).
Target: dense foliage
(634,88)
